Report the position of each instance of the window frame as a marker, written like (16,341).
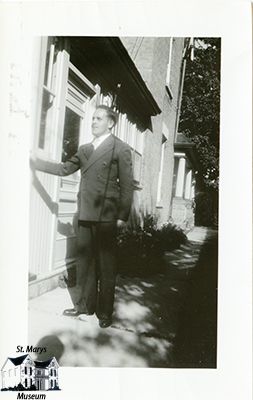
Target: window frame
(159,199)
(48,84)
(168,73)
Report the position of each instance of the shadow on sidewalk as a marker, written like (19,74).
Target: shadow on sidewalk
(152,316)
(196,343)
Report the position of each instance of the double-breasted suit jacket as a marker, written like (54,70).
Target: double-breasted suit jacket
(105,195)
(106,186)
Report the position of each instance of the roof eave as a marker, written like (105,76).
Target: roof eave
(128,63)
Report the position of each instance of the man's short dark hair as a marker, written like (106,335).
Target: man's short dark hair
(110,113)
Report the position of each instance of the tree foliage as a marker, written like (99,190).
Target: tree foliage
(200,110)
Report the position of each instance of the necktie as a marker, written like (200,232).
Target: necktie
(89,150)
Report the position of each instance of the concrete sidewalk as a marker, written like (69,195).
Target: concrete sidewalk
(145,324)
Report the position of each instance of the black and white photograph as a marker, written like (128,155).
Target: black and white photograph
(124,201)
(126,177)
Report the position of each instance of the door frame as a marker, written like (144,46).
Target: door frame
(82,103)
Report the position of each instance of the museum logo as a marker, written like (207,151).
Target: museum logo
(23,374)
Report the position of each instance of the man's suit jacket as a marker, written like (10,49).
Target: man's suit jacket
(106,187)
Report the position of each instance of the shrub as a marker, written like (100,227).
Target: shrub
(20,387)
(141,250)
(55,388)
(171,237)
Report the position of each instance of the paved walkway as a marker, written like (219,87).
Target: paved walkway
(154,317)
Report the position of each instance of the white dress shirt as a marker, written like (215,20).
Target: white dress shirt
(98,140)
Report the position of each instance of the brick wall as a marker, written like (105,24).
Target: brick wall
(151,57)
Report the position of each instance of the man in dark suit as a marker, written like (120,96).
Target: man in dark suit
(104,202)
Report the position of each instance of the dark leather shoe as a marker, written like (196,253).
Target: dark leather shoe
(71,312)
(105,322)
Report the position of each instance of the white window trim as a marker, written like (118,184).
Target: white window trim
(168,76)
(160,176)
(51,88)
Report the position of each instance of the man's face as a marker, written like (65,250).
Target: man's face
(101,124)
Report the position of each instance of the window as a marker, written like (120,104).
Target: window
(71,134)
(25,382)
(159,186)
(31,382)
(48,94)
(31,371)
(168,75)
(174,185)
(25,370)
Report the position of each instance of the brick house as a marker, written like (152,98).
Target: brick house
(143,78)
(161,62)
